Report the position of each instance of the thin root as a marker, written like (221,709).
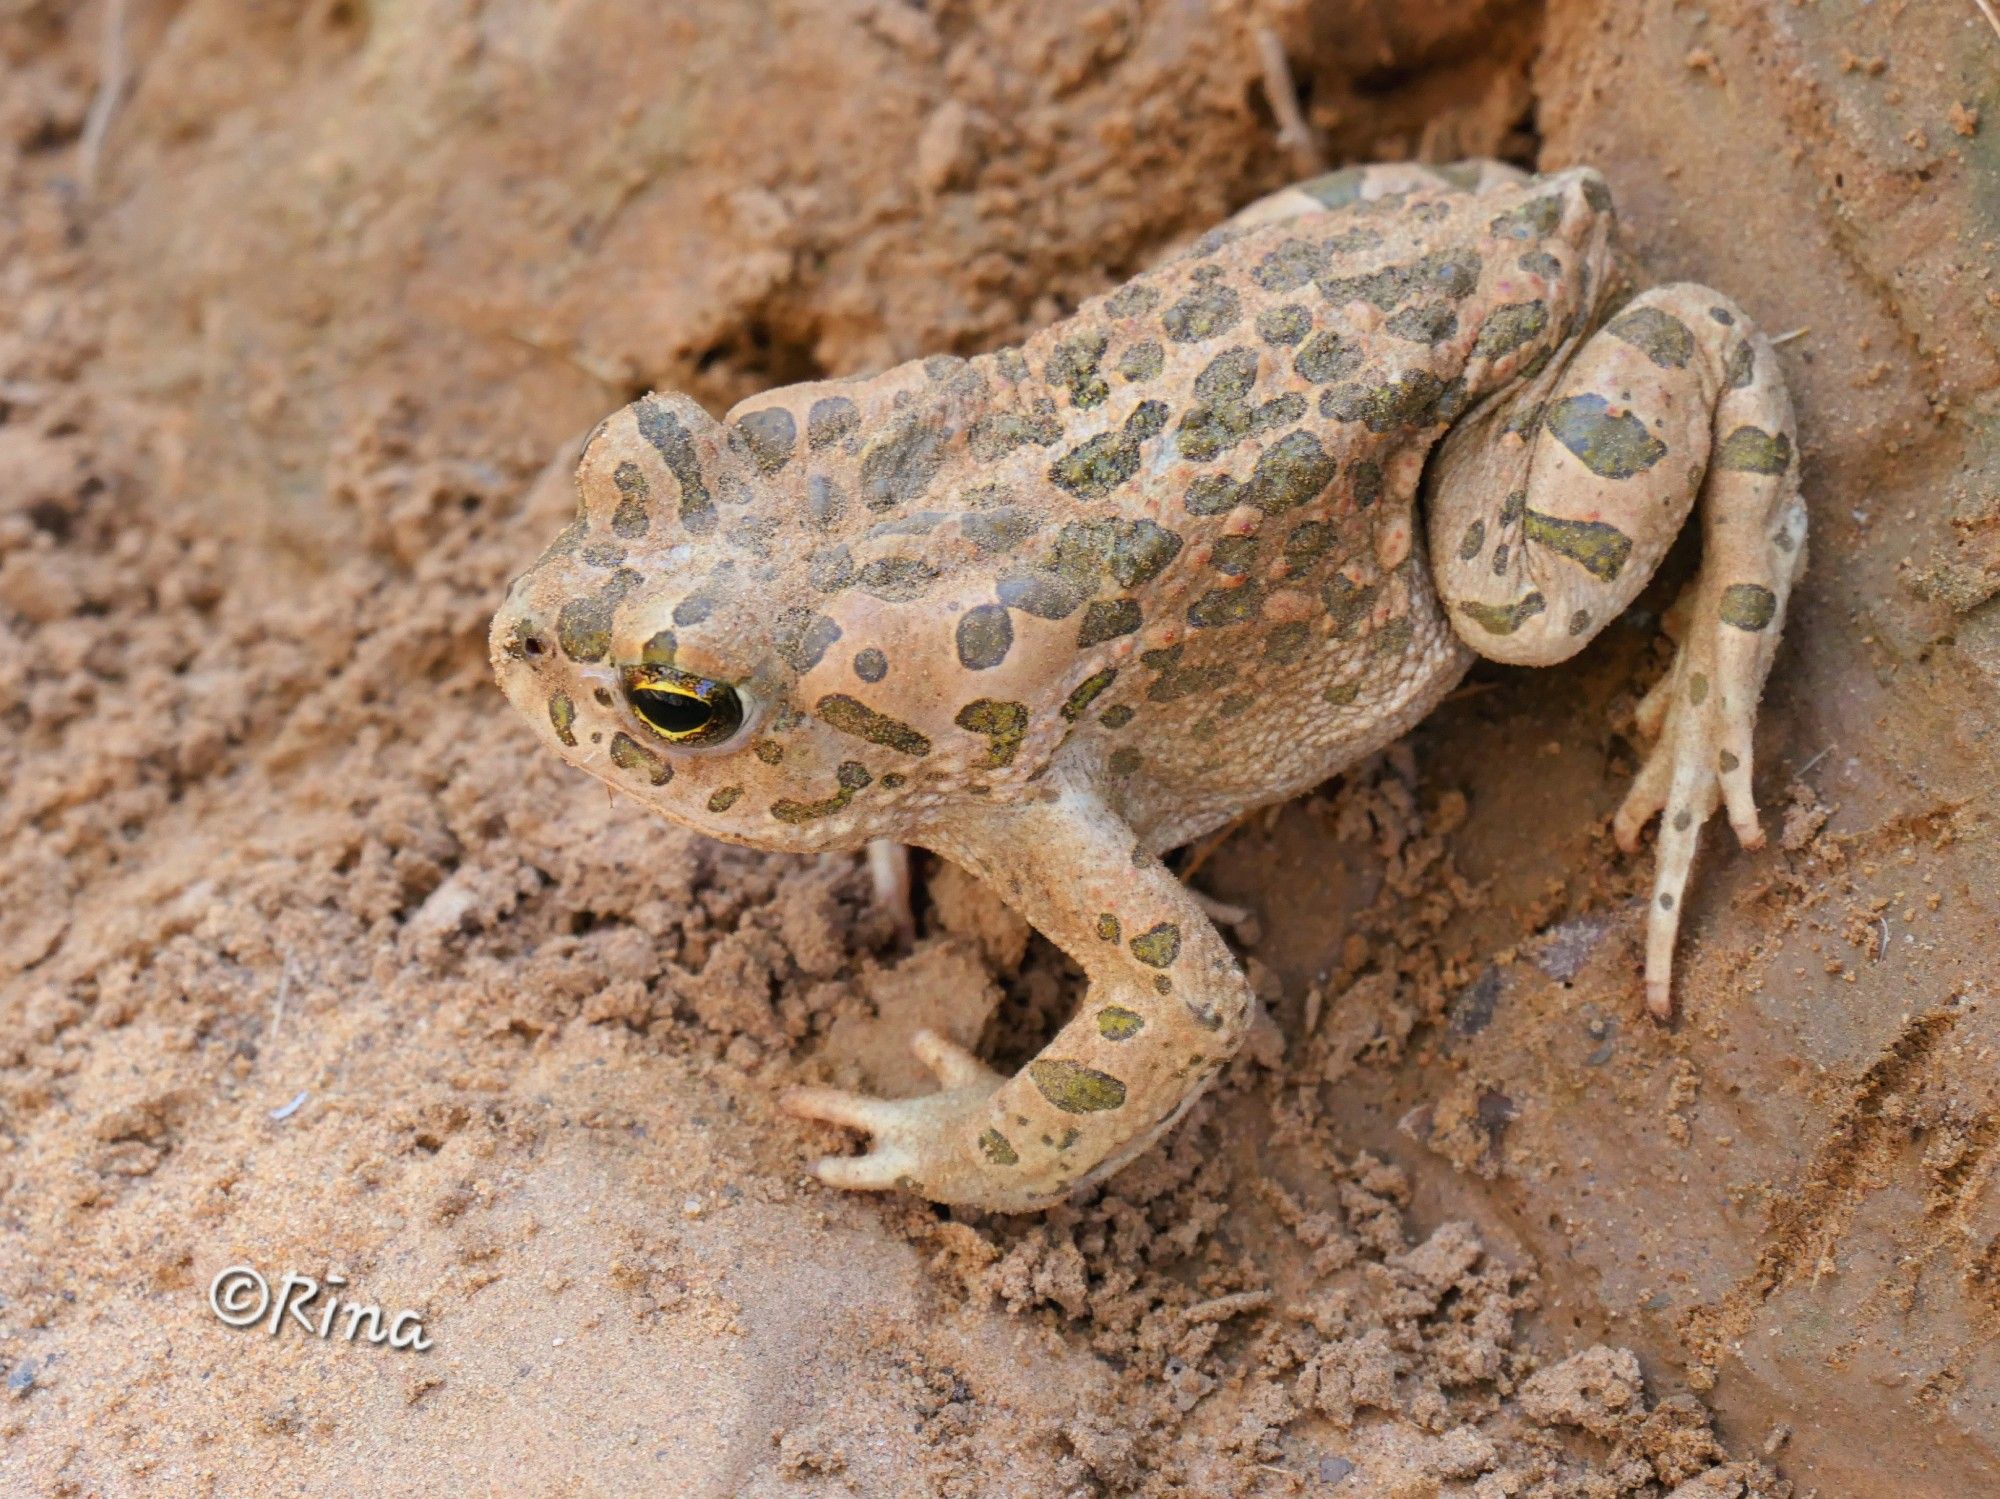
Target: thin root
(1294,134)
(110,93)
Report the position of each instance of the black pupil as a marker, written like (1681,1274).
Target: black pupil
(672,712)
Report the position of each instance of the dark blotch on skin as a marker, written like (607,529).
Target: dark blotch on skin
(998,1149)
(1579,622)
(1327,356)
(851,716)
(898,469)
(1087,692)
(1226,606)
(1283,325)
(1107,927)
(985,635)
(1418,398)
(852,777)
(826,505)
(1073,364)
(1504,619)
(583,627)
(831,419)
(630,755)
(1212,494)
(1541,263)
(635,501)
(1123,761)
(769,751)
(1107,619)
(1742,366)
(1116,716)
(1095,468)
(1660,336)
(1612,447)
(1310,540)
(659,651)
(1206,312)
(1599,547)
(1135,300)
(1290,266)
(1233,556)
(1748,606)
(999,433)
(1290,472)
(1042,593)
(693,609)
(1177,681)
(801,638)
(1141,362)
(1507,328)
(771,435)
(871,665)
(1158,946)
(1535,219)
(999,530)
(1075,1088)
(1474,542)
(896,580)
(1140,551)
(1004,724)
(1365,481)
(830,569)
(1426,323)
(1287,643)
(1752,450)
(661,427)
(562,717)
(1116,1023)
(1348,603)
(724,799)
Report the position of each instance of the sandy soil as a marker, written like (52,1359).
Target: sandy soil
(310,960)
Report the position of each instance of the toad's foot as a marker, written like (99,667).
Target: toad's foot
(915,1140)
(1700,717)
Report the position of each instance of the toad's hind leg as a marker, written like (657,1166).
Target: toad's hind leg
(1546,519)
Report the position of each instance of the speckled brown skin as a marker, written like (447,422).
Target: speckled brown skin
(1055,610)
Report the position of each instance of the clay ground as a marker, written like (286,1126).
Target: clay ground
(311,960)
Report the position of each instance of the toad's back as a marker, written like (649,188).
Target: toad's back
(1172,537)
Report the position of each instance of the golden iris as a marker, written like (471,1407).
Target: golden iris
(681,707)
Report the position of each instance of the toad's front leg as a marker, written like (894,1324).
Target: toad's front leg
(1166,1006)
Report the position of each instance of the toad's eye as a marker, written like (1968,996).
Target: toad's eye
(681,707)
